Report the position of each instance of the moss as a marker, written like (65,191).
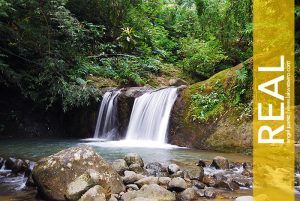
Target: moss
(101,82)
(226,129)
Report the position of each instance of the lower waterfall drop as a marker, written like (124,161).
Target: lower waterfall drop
(150,115)
(107,122)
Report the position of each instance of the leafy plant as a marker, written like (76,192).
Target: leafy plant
(199,57)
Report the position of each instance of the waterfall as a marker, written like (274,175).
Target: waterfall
(150,115)
(107,122)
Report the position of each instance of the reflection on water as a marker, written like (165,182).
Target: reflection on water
(34,149)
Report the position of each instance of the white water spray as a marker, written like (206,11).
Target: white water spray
(150,116)
(107,122)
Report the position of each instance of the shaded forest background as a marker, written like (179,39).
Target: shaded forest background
(59,53)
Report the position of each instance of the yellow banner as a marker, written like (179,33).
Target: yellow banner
(273,100)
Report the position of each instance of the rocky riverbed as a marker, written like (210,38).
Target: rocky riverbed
(79,173)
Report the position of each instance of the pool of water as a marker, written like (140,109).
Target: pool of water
(34,149)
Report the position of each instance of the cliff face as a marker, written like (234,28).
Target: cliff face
(227,130)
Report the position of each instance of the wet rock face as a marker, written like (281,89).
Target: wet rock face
(53,174)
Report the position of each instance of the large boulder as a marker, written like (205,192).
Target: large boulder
(53,174)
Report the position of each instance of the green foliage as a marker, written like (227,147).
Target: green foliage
(243,84)
(199,57)
(230,22)
(42,43)
(49,48)
(205,106)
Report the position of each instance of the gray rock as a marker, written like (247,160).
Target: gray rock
(229,185)
(136,168)
(152,191)
(131,177)
(177,82)
(242,182)
(132,187)
(16,165)
(220,162)
(198,184)
(196,173)
(209,180)
(210,193)
(200,192)
(78,187)
(173,168)
(188,194)
(133,158)
(178,174)
(177,184)
(147,180)
(52,174)
(155,169)
(120,166)
(113,198)
(95,193)
(244,198)
(247,173)
(164,181)
(220,177)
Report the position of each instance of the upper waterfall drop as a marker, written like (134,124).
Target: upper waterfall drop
(107,122)
(150,115)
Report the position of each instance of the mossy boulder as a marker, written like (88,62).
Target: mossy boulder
(224,129)
(53,174)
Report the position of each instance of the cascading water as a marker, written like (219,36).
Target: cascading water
(150,116)
(107,122)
